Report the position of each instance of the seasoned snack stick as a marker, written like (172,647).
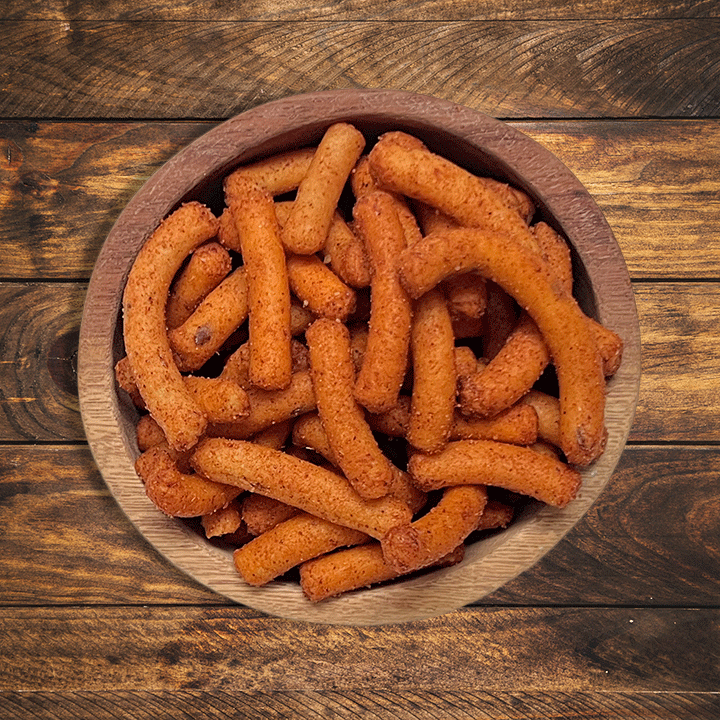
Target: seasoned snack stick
(524,275)
(146,342)
(513,467)
(296,482)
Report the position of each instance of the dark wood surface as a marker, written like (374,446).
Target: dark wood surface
(621,619)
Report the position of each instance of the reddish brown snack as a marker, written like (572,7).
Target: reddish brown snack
(268,290)
(416,545)
(225,521)
(146,342)
(348,433)
(279,174)
(261,513)
(180,494)
(385,360)
(513,467)
(517,425)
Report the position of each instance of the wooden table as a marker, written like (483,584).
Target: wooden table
(621,619)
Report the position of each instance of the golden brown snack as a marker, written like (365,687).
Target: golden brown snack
(146,342)
(180,494)
(222,401)
(466,363)
(289,544)
(384,363)
(352,442)
(261,513)
(319,288)
(425,541)
(434,377)
(148,433)
(126,381)
(509,375)
(517,425)
(466,295)
(268,407)
(346,253)
(495,515)
(309,487)
(513,467)
(308,432)
(524,275)
(226,521)
(213,321)
(306,228)
(281,173)
(547,409)
(268,290)
(275,436)
(205,270)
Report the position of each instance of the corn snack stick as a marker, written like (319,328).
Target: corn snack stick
(146,343)
(148,433)
(422,175)
(319,288)
(525,276)
(222,400)
(352,442)
(280,173)
(274,436)
(214,320)
(425,541)
(317,196)
(495,515)
(308,432)
(125,379)
(466,363)
(547,409)
(487,462)
(225,521)
(309,487)
(353,568)
(261,513)
(385,361)
(180,494)
(434,377)
(268,407)
(288,544)
(346,254)
(509,375)
(517,425)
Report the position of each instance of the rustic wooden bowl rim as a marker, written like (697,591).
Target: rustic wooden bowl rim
(476,141)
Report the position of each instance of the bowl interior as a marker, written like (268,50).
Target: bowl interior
(478,143)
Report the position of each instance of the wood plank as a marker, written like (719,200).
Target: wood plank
(64,184)
(255,10)
(232,649)
(39,326)
(584,68)
(651,539)
(349,704)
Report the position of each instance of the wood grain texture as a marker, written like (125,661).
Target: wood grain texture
(63,185)
(216,10)
(650,540)
(679,388)
(230,648)
(351,704)
(541,68)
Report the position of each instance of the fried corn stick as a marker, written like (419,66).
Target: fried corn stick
(306,228)
(524,275)
(268,290)
(416,545)
(434,377)
(281,173)
(352,442)
(547,409)
(222,400)
(517,425)
(299,483)
(205,270)
(225,521)
(261,513)
(319,288)
(513,467)
(146,342)
(385,361)
(180,494)
(289,544)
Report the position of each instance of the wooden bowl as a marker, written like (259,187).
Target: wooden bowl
(480,144)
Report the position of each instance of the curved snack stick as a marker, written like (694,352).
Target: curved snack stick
(416,545)
(148,433)
(279,173)
(422,175)
(517,425)
(268,291)
(509,375)
(348,433)
(222,400)
(346,253)
(214,320)
(268,407)
(319,288)
(225,521)
(353,568)
(385,361)
(513,467)
(525,276)
(261,513)
(205,270)
(289,544)
(547,409)
(299,483)
(180,494)
(125,379)
(466,363)
(317,196)
(146,342)
(434,377)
